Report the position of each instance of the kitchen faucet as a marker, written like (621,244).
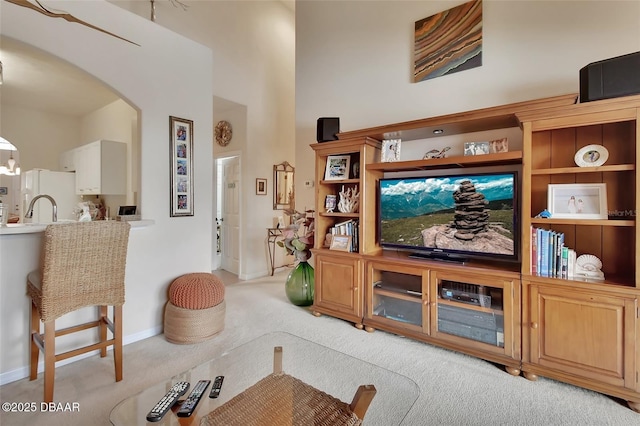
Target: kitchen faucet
(29,213)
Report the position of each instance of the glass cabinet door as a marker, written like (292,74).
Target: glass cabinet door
(399,296)
(472,308)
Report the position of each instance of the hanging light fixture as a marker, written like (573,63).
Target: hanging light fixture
(11,162)
(11,167)
(14,167)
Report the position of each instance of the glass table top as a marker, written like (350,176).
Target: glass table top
(325,369)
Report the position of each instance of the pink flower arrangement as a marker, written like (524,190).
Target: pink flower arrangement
(298,237)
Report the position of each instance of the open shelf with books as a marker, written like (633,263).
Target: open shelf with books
(551,140)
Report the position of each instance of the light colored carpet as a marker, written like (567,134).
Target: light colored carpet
(455,389)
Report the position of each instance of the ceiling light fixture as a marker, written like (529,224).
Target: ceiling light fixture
(175,3)
(438,131)
(11,167)
(11,162)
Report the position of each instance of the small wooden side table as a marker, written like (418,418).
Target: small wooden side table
(272,237)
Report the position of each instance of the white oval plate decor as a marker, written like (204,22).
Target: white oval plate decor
(591,156)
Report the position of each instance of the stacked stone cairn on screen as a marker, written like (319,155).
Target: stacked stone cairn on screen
(470,216)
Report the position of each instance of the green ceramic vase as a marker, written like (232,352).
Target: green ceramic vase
(300,284)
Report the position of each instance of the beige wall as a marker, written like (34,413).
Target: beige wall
(253,46)
(39,136)
(354,60)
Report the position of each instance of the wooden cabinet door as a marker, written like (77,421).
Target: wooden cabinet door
(338,285)
(587,334)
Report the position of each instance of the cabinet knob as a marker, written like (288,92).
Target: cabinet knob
(433,304)
(354,288)
(425,303)
(534,325)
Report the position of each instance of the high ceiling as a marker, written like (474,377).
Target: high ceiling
(37,80)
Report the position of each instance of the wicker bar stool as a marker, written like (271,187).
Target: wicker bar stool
(83,264)
(196,308)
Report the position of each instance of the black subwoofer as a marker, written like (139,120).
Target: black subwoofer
(610,78)
(328,128)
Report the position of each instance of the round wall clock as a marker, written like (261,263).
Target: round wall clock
(223,133)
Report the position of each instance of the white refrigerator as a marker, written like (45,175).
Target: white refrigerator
(61,186)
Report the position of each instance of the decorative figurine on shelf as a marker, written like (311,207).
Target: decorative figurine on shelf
(349,200)
(330,202)
(588,266)
(544,214)
(434,153)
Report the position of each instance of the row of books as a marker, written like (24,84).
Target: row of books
(550,257)
(351,228)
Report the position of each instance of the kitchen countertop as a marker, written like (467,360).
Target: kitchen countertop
(31,228)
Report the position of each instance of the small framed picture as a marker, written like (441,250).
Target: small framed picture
(261,186)
(391,150)
(338,167)
(330,203)
(499,145)
(476,148)
(341,243)
(577,200)
(127,210)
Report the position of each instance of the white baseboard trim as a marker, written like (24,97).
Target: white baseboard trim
(247,277)
(23,372)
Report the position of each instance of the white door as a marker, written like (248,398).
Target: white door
(230,227)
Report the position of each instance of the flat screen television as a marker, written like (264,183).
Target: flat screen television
(451,217)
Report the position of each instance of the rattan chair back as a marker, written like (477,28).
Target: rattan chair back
(83,264)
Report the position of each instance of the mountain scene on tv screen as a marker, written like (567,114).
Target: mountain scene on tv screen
(462,213)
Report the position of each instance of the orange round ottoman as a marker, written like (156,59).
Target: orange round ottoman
(195,310)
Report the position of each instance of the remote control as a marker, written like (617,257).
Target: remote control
(157,413)
(217,385)
(189,405)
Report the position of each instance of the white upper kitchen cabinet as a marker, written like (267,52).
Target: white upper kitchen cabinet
(101,168)
(67,161)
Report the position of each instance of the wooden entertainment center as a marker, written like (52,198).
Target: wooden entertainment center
(583,332)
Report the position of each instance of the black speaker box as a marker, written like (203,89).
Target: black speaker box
(328,128)
(610,78)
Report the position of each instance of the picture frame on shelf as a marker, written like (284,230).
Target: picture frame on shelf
(591,156)
(391,150)
(261,186)
(577,201)
(341,243)
(338,167)
(499,145)
(181,157)
(477,148)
